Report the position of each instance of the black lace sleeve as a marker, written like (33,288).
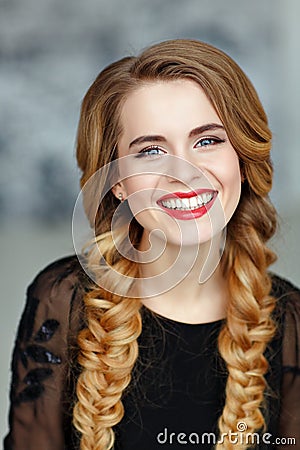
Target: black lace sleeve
(42,387)
(289,424)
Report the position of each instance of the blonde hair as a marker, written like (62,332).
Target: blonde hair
(109,342)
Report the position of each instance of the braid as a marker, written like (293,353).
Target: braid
(249,327)
(109,344)
(109,350)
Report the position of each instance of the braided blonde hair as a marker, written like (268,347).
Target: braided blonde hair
(109,342)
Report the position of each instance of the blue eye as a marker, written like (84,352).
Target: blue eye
(151,151)
(209,141)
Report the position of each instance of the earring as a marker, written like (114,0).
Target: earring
(120,196)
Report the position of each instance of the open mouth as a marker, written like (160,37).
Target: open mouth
(186,205)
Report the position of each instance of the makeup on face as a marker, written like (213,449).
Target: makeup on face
(182,167)
(188,205)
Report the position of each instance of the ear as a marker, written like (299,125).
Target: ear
(119,191)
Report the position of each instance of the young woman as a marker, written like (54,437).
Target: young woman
(179,336)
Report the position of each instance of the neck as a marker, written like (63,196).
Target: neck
(185,284)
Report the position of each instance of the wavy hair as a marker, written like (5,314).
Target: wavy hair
(108,344)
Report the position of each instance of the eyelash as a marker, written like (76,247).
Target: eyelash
(214,140)
(144,151)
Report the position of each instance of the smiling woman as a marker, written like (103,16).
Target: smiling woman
(188,127)
(184,332)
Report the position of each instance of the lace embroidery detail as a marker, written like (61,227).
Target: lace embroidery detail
(41,355)
(46,331)
(38,353)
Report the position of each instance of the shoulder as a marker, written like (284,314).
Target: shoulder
(287,313)
(46,349)
(65,274)
(287,295)
(56,292)
(54,302)
(281,287)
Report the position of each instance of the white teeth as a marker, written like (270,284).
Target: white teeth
(185,202)
(188,203)
(173,203)
(193,202)
(178,203)
(205,198)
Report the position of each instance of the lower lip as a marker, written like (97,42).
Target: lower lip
(189,214)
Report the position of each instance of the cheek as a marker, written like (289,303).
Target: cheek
(234,176)
(229,168)
(139,192)
(232,185)
(138,186)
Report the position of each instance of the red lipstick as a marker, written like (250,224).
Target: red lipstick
(193,209)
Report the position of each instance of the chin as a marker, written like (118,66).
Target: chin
(187,239)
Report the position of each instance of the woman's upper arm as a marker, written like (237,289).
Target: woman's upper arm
(40,363)
(290,388)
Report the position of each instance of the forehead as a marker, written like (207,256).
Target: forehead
(165,104)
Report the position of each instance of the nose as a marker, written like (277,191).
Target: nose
(182,170)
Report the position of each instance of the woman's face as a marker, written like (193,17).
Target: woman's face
(181,172)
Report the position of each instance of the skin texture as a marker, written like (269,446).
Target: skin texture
(172,110)
(161,120)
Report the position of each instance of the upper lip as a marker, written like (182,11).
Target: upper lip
(188,194)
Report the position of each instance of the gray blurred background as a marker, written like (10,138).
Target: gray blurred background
(51,50)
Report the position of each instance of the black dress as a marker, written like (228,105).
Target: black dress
(177,390)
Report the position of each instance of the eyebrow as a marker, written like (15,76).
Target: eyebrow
(195,132)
